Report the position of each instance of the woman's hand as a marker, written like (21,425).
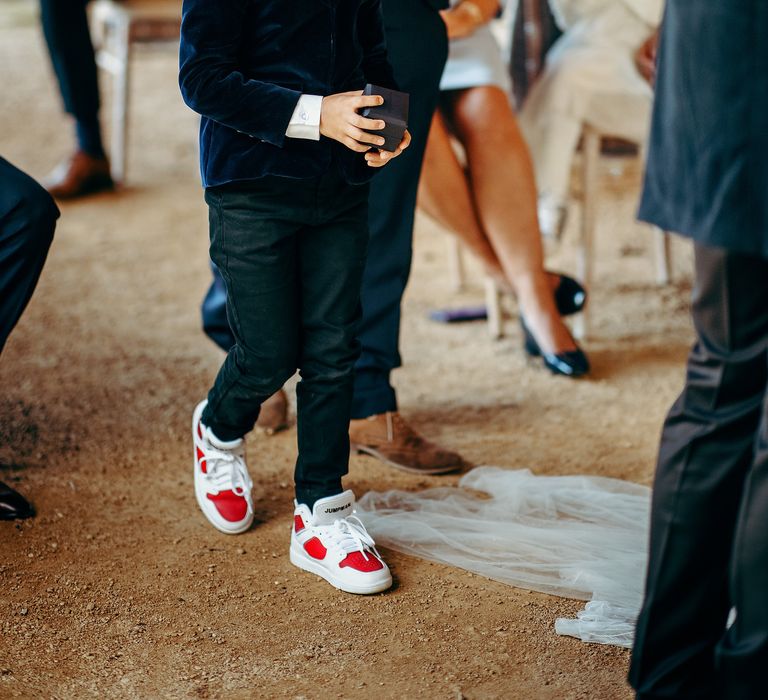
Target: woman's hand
(340,121)
(645,58)
(377,159)
(463,19)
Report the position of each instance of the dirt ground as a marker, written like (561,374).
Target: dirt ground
(120,589)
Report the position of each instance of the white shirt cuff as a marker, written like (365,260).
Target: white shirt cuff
(305,121)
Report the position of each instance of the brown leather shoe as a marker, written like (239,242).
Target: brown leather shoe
(81,174)
(389,438)
(274,414)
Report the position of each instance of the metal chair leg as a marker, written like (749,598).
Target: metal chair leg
(663,249)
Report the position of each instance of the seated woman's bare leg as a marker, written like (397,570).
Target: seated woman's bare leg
(444,194)
(503,191)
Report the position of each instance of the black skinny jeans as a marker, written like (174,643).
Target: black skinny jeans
(292,254)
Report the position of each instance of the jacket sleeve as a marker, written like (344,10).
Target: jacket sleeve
(211,81)
(370,31)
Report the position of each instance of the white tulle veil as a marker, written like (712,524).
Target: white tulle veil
(574,536)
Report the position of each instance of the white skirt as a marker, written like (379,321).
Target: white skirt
(474,61)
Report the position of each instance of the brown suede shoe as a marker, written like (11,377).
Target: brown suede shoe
(389,438)
(80,175)
(274,414)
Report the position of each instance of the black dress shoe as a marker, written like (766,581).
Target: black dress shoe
(570,296)
(572,363)
(13,505)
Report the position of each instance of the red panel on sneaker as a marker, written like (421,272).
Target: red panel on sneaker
(230,506)
(356,560)
(298,523)
(315,549)
(201,459)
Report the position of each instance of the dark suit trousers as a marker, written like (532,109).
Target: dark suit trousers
(709,519)
(417,48)
(65,26)
(27,221)
(291,253)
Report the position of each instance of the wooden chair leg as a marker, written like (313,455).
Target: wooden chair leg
(591,161)
(663,245)
(493,308)
(120,97)
(456,262)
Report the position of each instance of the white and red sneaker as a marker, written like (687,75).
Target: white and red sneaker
(222,483)
(332,542)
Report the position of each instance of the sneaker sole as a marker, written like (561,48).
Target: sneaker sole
(302,561)
(429,471)
(200,495)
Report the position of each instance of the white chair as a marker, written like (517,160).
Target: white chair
(117,25)
(591,146)
(493,292)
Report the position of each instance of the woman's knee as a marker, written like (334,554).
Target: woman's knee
(480,109)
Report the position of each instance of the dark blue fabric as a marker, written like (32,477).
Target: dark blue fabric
(65,26)
(417,48)
(707,174)
(214,313)
(27,221)
(244,65)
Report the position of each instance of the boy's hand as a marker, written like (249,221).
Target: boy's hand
(378,158)
(339,120)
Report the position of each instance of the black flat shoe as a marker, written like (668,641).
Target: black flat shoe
(570,296)
(13,505)
(572,363)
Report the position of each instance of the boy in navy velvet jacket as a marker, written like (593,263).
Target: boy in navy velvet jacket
(285,160)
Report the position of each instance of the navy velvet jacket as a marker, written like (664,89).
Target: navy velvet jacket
(245,63)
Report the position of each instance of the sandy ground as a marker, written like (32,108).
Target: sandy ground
(119,588)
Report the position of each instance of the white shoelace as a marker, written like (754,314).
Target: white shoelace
(350,535)
(226,471)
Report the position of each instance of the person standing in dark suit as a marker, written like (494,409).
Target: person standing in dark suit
(417,46)
(27,222)
(703,628)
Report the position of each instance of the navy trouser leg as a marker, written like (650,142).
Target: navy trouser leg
(712,473)
(27,221)
(417,48)
(65,26)
(214,312)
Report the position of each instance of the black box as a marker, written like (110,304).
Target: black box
(394,113)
